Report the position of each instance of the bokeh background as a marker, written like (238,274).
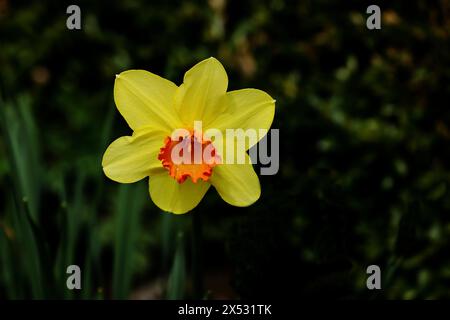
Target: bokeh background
(364,127)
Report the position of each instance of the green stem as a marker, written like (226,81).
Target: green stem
(197,263)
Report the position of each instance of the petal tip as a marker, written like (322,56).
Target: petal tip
(213,60)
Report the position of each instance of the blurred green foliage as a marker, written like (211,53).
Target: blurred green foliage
(364,151)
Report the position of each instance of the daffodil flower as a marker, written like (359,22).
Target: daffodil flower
(154,107)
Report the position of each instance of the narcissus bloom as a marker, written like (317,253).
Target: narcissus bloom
(155,107)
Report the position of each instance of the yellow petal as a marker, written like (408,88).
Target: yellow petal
(129,159)
(199,97)
(246,109)
(145,99)
(237,184)
(171,196)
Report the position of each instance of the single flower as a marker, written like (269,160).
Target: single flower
(155,107)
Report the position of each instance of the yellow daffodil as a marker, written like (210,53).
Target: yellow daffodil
(154,107)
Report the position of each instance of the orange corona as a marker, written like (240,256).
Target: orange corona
(194,169)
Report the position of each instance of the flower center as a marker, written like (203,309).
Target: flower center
(190,155)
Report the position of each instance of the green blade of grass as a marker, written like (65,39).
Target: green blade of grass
(29,248)
(74,212)
(8,273)
(92,274)
(23,152)
(25,181)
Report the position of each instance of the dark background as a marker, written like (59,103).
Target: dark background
(364,150)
